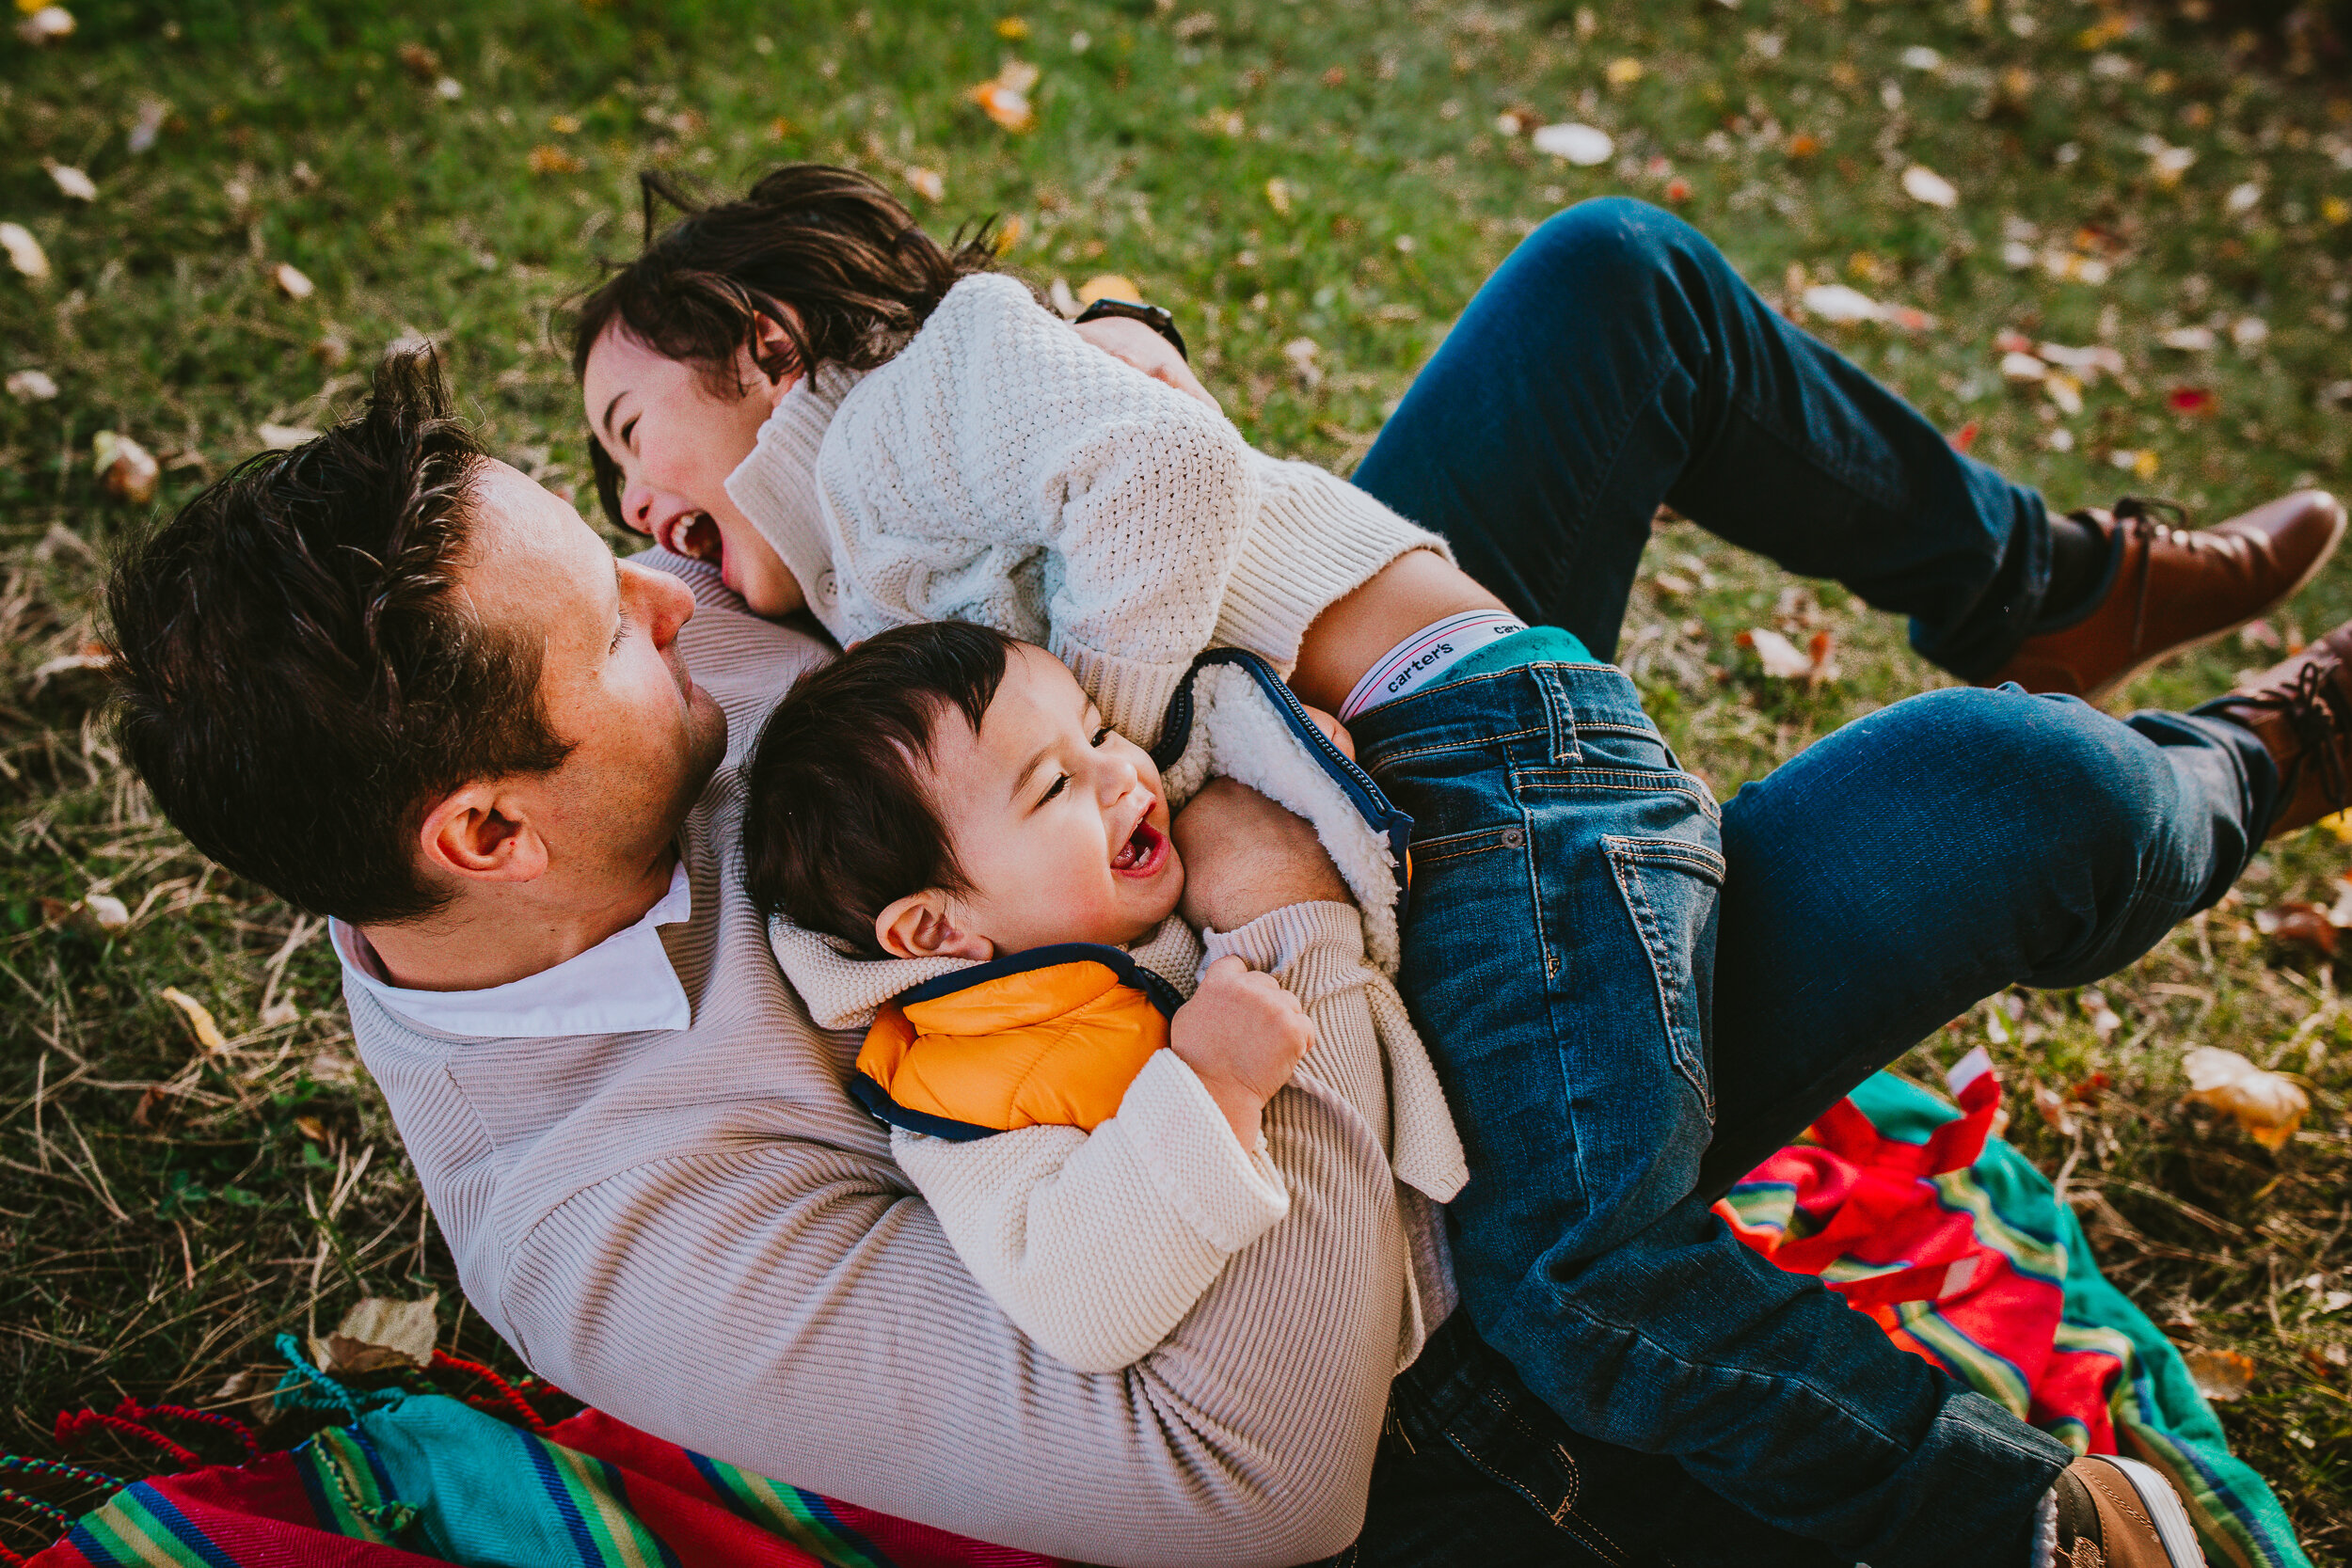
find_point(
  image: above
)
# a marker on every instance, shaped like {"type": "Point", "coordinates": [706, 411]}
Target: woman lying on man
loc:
{"type": "Point", "coordinates": [1630, 994]}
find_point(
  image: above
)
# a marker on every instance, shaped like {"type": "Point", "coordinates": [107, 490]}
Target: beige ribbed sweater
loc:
{"type": "Point", "coordinates": [1003, 470]}
{"type": "Point", "coordinates": [699, 1231]}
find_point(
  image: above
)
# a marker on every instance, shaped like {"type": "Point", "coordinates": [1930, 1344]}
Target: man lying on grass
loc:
{"type": "Point", "coordinates": [399, 684]}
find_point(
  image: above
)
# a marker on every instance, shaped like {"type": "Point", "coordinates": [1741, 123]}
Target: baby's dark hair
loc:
{"type": "Point", "coordinates": [839, 823]}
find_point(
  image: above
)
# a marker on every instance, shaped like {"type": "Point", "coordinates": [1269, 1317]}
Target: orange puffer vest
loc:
{"type": "Point", "coordinates": [1052, 1037]}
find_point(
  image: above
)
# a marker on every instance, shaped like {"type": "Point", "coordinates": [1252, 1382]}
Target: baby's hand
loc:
{"type": "Point", "coordinates": [1332, 728]}
{"type": "Point", "coordinates": [1241, 1034]}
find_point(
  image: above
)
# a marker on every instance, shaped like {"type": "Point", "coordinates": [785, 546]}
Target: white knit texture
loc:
{"type": "Point", "coordinates": [699, 1231]}
{"type": "Point", "coordinates": [1003, 470]}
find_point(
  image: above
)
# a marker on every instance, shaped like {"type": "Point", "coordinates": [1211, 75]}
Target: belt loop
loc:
{"type": "Point", "coordinates": [1559, 713]}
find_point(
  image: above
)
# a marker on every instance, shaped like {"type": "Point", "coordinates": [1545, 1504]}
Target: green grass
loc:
{"type": "Point", "coordinates": [164, 1210]}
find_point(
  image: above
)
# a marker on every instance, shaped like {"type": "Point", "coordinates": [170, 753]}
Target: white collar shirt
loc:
{"type": "Point", "coordinates": [622, 985]}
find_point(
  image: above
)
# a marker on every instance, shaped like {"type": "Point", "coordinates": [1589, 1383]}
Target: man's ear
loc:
{"type": "Point", "coordinates": [923, 926]}
{"type": "Point", "coordinates": [478, 835]}
{"type": "Point", "coordinates": [772, 356]}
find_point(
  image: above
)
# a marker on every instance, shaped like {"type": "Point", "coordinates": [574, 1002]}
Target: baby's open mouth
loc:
{"type": "Point", "coordinates": [1143, 853]}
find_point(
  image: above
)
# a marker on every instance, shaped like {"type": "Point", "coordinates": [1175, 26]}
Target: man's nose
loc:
{"type": "Point", "coordinates": [665, 602]}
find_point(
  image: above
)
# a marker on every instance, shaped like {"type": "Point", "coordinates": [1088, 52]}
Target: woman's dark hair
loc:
{"type": "Point", "coordinates": [860, 275]}
{"type": "Point", "coordinates": [296, 678]}
{"type": "Point", "coordinates": [839, 820]}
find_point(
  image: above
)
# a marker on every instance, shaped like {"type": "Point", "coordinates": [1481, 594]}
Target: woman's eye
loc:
{"type": "Point", "coordinates": [628, 432]}
{"type": "Point", "coordinates": [1100, 736]}
{"type": "Point", "coordinates": [1053, 789]}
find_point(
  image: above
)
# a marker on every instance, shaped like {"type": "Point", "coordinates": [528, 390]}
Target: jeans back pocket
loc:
{"type": "Point", "coordinates": [1672, 890]}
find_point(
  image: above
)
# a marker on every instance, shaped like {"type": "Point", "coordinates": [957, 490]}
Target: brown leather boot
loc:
{"type": "Point", "coordinates": [2173, 590]}
{"type": "Point", "coordinates": [2301, 711]}
{"type": "Point", "coordinates": [2116, 1512]}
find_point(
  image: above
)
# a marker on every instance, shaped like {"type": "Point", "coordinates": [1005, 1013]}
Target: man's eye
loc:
{"type": "Point", "coordinates": [1053, 789]}
{"type": "Point", "coordinates": [1100, 736]}
{"type": "Point", "coordinates": [619, 633]}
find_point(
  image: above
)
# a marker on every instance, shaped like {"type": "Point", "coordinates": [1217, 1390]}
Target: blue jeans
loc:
{"type": "Point", "coordinates": [1633, 1001]}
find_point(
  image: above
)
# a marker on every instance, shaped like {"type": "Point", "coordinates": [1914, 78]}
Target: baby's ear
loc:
{"type": "Point", "coordinates": [923, 926]}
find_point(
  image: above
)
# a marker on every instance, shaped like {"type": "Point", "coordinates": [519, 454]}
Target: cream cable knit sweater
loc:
{"type": "Point", "coordinates": [1005, 471]}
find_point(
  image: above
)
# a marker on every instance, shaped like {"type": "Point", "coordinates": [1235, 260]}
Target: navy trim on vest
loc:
{"type": "Point", "coordinates": [882, 1108]}
{"type": "Point", "coordinates": [1165, 997]}
{"type": "Point", "coordinates": [876, 1099]}
{"type": "Point", "coordinates": [1364, 795]}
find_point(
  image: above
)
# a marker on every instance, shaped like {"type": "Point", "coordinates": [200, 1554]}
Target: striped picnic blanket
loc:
{"type": "Point", "coordinates": [426, 1479]}
{"type": "Point", "coordinates": [1944, 1234]}
{"type": "Point", "coordinates": [1961, 1251]}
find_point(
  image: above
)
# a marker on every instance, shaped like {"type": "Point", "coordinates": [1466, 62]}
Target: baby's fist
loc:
{"type": "Point", "coordinates": [1241, 1034]}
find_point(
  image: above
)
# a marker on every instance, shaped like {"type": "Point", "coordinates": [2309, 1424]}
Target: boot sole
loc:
{"type": "Point", "coordinates": [2164, 1512]}
{"type": "Point", "coordinates": [2098, 696]}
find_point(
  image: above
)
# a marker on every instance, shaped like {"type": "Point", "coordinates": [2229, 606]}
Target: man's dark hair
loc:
{"type": "Point", "coordinates": [297, 679]}
{"type": "Point", "coordinates": [838, 822]}
{"type": "Point", "coordinates": [858, 272]}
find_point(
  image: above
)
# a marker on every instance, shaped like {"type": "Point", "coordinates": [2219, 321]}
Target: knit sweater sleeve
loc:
{"type": "Point", "coordinates": [1097, 1244]}
{"type": "Point", "coordinates": [1001, 416]}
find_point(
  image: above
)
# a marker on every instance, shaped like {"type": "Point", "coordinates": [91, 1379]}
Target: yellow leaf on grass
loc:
{"type": "Point", "coordinates": [2267, 1106]}
{"type": "Point", "coordinates": [379, 1335]}
{"type": "Point", "coordinates": [1625, 72]}
{"type": "Point", "coordinates": [1108, 285]}
{"type": "Point", "coordinates": [199, 1017]}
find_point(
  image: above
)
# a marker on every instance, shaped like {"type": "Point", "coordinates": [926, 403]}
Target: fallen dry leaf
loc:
{"type": "Point", "coordinates": [1780, 658]}
{"type": "Point", "coordinates": [379, 1335]}
{"type": "Point", "coordinates": [2299, 921]}
{"type": "Point", "coordinates": [420, 61]}
{"type": "Point", "coordinates": [290, 279]}
{"type": "Point", "coordinates": [1277, 196]}
{"type": "Point", "coordinates": [284, 438]}
{"type": "Point", "coordinates": [2267, 1106]}
{"type": "Point", "coordinates": [71, 182]}
{"type": "Point", "coordinates": [1005, 106]}
{"type": "Point", "coordinates": [1581, 145]}
{"type": "Point", "coordinates": [1922, 183]}
{"type": "Point", "coordinates": [2220, 1375]}
{"type": "Point", "coordinates": [45, 25]}
{"type": "Point", "coordinates": [331, 349]}
{"type": "Point", "coordinates": [107, 912]}
{"type": "Point", "coordinates": [127, 470]}
{"type": "Point", "coordinates": [29, 386]}
{"type": "Point", "coordinates": [1624, 71]}
{"type": "Point", "coordinates": [2191, 400]}
{"type": "Point", "coordinates": [208, 1035]}
{"type": "Point", "coordinates": [25, 252]}
{"type": "Point", "coordinates": [2188, 339]}
{"type": "Point", "coordinates": [149, 125]}
{"type": "Point", "coordinates": [928, 184]}
{"type": "Point", "coordinates": [547, 158]}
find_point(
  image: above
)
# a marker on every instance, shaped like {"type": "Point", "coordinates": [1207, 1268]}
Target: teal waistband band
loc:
{"type": "Point", "coordinates": [1535, 646]}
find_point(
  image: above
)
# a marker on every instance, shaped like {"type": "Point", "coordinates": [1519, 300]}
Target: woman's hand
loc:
{"type": "Point", "coordinates": [1126, 339]}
